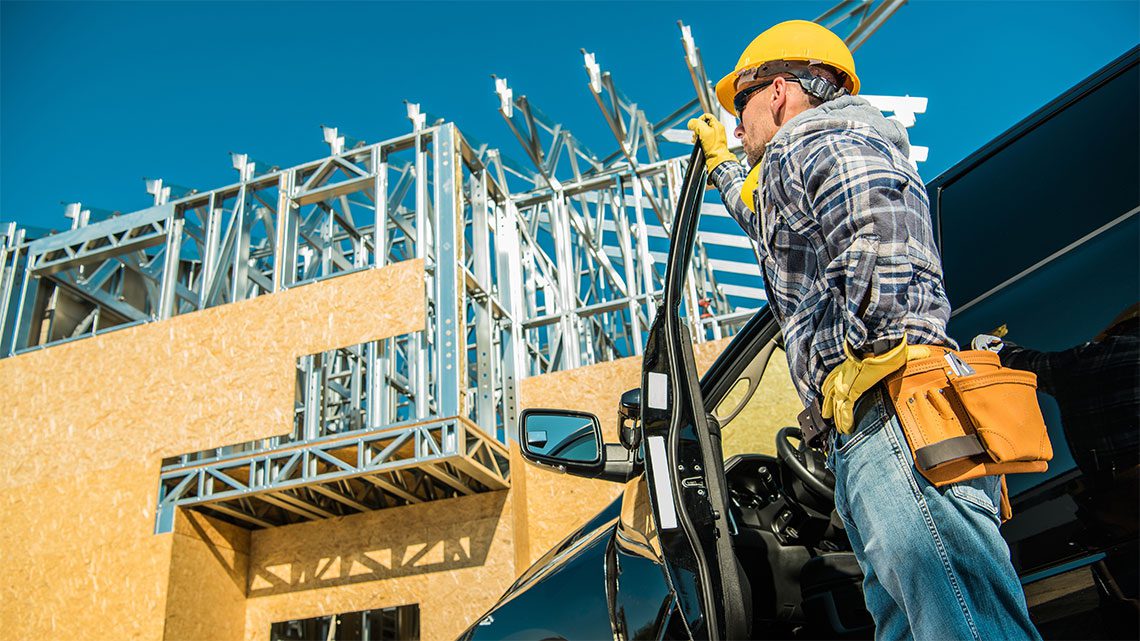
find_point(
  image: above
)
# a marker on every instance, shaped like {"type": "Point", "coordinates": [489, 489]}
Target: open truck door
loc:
{"type": "Point", "coordinates": [684, 465]}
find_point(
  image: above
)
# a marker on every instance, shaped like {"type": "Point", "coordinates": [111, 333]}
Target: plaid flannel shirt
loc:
{"type": "Point", "coordinates": [844, 240]}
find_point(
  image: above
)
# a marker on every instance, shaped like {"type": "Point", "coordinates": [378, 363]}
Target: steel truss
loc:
{"type": "Point", "coordinates": [529, 270]}
{"type": "Point", "coordinates": [339, 475]}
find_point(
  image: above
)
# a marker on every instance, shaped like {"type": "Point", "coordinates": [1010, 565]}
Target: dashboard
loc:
{"type": "Point", "coordinates": [766, 497]}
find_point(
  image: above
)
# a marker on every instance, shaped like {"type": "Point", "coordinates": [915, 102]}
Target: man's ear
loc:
{"type": "Point", "coordinates": [779, 97]}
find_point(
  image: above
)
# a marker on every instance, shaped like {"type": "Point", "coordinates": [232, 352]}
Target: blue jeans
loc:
{"type": "Point", "coordinates": [934, 564]}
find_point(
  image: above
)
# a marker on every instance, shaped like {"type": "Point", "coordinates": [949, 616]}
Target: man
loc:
{"type": "Point", "coordinates": [841, 222]}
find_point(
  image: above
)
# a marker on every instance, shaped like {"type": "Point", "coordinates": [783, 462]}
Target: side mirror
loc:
{"type": "Point", "coordinates": [571, 442]}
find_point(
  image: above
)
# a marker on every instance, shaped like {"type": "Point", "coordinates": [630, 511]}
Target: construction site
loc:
{"type": "Point", "coordinates": [289, 406]}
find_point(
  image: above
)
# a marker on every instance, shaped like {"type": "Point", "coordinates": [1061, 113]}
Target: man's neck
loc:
{"type": "Point", "coordinates": [789, 112]}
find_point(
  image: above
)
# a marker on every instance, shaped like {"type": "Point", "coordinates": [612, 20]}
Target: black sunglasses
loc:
{"type": "Point", "coordinates": [741, 99]}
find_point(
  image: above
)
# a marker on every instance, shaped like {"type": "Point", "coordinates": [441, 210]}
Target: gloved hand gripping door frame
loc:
{"type": "Point", "coordinates": [683, 455]}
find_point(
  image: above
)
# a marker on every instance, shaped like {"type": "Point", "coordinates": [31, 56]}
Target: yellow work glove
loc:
{"type": "Point", "coordinates": [748, 191]}
{"type": "Point", "coordinates": [714, 140]}
{"type": "Point", "coordinates": [847, 382]}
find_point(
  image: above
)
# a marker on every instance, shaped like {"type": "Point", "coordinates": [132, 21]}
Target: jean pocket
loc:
{"type": "Point", "coordinates": [858, 438]}
{"type": "Point", "coordinates": [982, 493]}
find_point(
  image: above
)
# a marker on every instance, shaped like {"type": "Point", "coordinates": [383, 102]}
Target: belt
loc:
{"type": "Point", "coordinates": [815, 428]}
{"type": "Point", "coordinates": [879, 347]}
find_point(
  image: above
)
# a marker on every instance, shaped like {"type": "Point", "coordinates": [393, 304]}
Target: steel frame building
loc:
{"type": "Point", "coordinates": [552, 279]}
{"type": "Point", "coordinates": [529, 271]}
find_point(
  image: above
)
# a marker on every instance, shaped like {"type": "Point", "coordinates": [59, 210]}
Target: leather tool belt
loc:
{"type": "Point", "coordinates": [971, 420]}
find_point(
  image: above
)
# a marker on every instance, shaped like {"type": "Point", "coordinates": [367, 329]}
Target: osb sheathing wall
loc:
{"type": "Point", "coordinates": [209, 572]}
{"type": "Point", "coordinates": [86, 425]}
{"type": "Point", "coordinates": [557, 504]}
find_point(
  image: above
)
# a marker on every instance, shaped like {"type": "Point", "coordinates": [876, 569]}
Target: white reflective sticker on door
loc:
{"type": "Point", "coordinates": [658, 391]}
{"type": "Point", "coordinates": [662, 483]}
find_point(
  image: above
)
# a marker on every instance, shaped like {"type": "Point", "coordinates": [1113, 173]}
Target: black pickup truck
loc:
{"type": "Point", "coordinates": [703, 548]}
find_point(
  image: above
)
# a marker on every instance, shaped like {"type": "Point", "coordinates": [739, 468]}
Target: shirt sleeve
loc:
{"type": "Point", "coordinates": [854, 191]}
{"type": "Point", "coordinates": [1030, 360]}
{"type": "Point", "coordinates": [1067, 369]}
{"type": "Point", "coordinates": [728, 177]}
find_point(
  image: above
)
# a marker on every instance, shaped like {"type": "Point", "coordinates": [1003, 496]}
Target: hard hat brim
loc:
{"type": "Point", "coordinates": [726, 91]}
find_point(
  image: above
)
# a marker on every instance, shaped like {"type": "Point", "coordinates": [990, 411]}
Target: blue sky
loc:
{"type": "Point", "coordinates": [95, 96]}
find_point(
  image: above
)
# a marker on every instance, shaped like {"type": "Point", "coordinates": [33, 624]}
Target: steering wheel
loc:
{"type": "Point", "coordinates": [807, 464]}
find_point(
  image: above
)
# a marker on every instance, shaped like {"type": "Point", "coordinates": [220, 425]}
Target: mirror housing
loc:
{"type": "Point", "coordinates": [571, 442]}
{"type": "Point", "coordinates": [629, 419]}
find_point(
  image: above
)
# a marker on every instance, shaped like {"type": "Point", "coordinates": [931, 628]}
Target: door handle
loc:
{"type": "Point", "coordinates": [693, 481]}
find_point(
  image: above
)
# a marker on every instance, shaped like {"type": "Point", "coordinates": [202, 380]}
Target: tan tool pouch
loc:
{"type": "Point", "coordinates": [962, 427]}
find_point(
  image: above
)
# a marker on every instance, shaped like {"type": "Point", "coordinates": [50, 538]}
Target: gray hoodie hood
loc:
{"type": "Point", "coordinates": [841, 113]}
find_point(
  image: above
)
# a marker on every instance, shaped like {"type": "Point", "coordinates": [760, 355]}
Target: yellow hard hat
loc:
{"type": "Point", "coordinates": [797, 41]}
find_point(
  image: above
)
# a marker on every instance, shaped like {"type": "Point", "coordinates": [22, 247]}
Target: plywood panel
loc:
{"type": "Point", "coordinates": [558, 503]}
{"type": "Point", "coordinates": [520, 511]}
{"type": "Point", "coordinates": [47, 516]}
{"type": "Point", "coordinates": [86, 425]}
{"type": "Point", "coordinates": [87, 592]}
{"type": "Point", "coordinates": [209, 570]}
{"type": "Point", "coordinates": [81, 560]}
{"type": "Point", "coordinates": [453, 557]}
